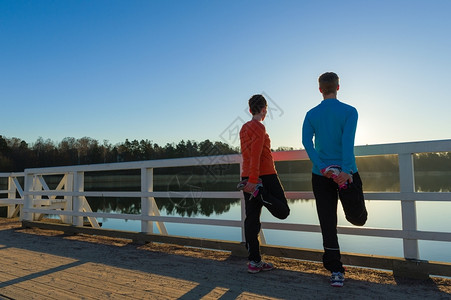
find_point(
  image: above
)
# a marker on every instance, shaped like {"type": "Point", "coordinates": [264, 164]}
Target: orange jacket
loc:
{"type": "Point", "coordinates": [256, 151]}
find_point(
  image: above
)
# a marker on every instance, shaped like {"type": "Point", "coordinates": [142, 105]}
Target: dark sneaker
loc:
{"type": "Point", "coordinates": [254, 267]}
{"type": "Point", "coordinates": [337, 279]}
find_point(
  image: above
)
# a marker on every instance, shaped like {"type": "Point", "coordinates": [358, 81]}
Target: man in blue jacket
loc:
{"type": "Point", "coordinates": [332, 125]}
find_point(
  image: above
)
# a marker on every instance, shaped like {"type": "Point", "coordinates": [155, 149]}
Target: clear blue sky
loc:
{"type": "Point", "coordinates": [168, 71]}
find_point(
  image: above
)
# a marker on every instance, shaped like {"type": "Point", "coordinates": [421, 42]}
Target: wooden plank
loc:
{"type": "Point", "coordinates": [154, 272]}
{"type": "Point", "coordinates": [160, 163]}
{"type": "Point", "coordinates": [6, 201]}
{"type": "Point", "coordinates": [60, 281]}
{"type": "Point", "coordinates": [408, 147]}
{"type": "Point", "coordinates": [77, 284]}
{"type": "Point", "coordinates": [34, 261]}
{"type": "Point", "coordinates": [234, 247]}
{"type": "Point", "coordinates": [216, 293]}
{"type": "Point", "coordinates": [369, 261]}
{"type": "Point", "coordinates": [18, 187]}
{"type": "Point", "coordinates": [32, 290]}
{"type": "Point", "coordinates": [130, 282]}
{"type": "Point", "coordinates": [57, 277]}
{"type": "Point", "coordinates": [19, 283]}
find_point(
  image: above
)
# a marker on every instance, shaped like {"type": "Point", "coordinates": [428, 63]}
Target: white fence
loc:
{"type": "Point", "coordinates": [68, 199]}
{"type": "Point", "coordinates": [12, 202]}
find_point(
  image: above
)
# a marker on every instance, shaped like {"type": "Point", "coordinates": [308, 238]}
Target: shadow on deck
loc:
{"type": "Point", "coordinates": [49, 263]}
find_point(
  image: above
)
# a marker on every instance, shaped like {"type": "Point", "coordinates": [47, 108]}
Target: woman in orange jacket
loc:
{"type": "Point", "coordinates": [260, 182]}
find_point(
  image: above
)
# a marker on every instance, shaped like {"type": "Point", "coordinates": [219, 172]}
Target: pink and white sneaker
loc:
{"type": "Point", "coordinates": [254, 194]}
{"type": "Point", "coordinates": [254, 267]}
{"type": "Point", "coordinates": [336, 170]}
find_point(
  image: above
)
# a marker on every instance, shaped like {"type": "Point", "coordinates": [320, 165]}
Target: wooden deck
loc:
{"type": "Point", "coordinates": [47, 264]}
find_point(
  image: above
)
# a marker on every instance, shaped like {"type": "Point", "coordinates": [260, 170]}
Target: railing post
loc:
{"type": "Point", "coordinates": [243, 209]}
{"type": "Point", "coordinates": [28, 198]}
{"type": "Point", "coordinates": [68, 187]}
{"type": "Point", "coordinates": [408, 208]}
{"type": "Point", "coordinates": [37, 186]}
{"type": "Point", "coordinates": [146, 202]}
{"type": "Point", "coordinates": [79, 183]}
{"type": "Point", "coordinates": [11, 195]}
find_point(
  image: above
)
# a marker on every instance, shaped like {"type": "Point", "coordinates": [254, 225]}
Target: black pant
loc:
{"type": "Point", "coordinates": [272, 196]}
{"type": "Point", "coordinates": [326, 193]}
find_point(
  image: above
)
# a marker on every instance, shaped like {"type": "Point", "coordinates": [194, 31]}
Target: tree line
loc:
{"type": "Point", "coordinates": [17, 155]}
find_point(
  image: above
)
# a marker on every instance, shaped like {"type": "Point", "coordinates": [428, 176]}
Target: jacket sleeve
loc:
{"type": "Point", "coordinates": [257, 135]}
{"type": "Point", "coordinates": [348, 138]}
{"type": "Point", "coordinates": [308, 133]}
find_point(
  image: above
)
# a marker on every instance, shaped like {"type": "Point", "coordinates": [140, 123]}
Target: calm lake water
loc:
{"type": "Point", "coordinates": [431, 216]}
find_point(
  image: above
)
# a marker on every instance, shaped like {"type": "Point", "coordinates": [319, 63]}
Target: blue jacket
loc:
{"type": "Point", "coordinates": [332, 124]}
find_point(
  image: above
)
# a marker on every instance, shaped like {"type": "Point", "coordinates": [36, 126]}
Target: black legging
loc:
{"type": "Point", "coordinates": [272, 196]}
{"type": "Point", "coordinates": [326, 194]}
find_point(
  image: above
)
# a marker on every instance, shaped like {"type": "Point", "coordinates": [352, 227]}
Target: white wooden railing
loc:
{"type": "Point", "coordinates": [68, 199]}
{"type": "Point", "coordinates": [12, 202]}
